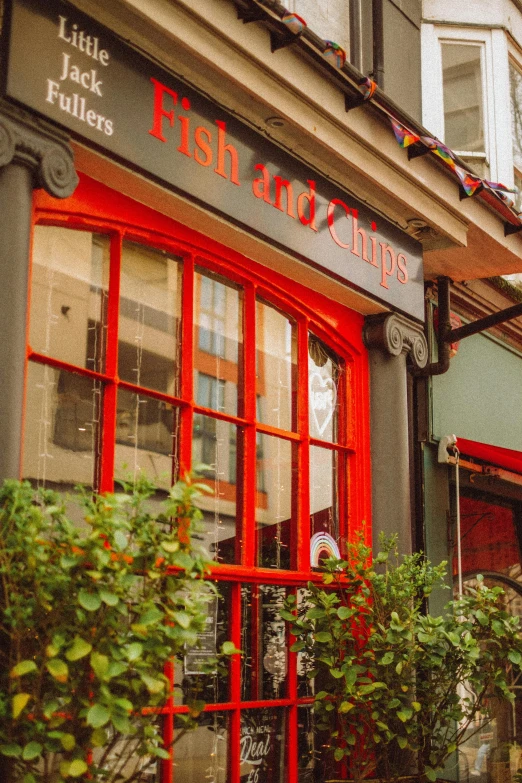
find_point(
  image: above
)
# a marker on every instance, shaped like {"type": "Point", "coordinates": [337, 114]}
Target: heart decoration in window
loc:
{"type": "Point", "coordinates": [323, 397]}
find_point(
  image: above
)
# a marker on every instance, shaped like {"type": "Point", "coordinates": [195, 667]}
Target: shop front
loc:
{"type": "Point", "coordinates": [141, 342]}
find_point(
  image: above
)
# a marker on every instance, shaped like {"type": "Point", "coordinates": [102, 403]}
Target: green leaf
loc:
{"type": "Point", "coordinates": [29, 778]}
{"type": "Point", "coordinates": [79, 649]}
{"type": "Point", "coordinates": [336, 674]}
{"type": "Point", "coordinates": [153, 685]}
{"type": "Point", "coordinates": [514, 656]}
{"type": "Point", "coordinates": [387, 658]}
{"type": "Point", "coordinates": [31, 751]}
{"type": "Point", "coordinates": [297, 646]}
{"type": "Point", "coordinates": [323, 636]}
{"type": "Point", "coordinates": [108, 598]}
{"type": "Point", "coordinates": [23, 667]}
{"type": "Point", "coordinates": [134, 651]}
{"type": "Point", "coordinates": [343, 613]}
{"type": "Point", "coordinates": [402, 742]}
{"type": "Point", "coordinates": [76, 768]}
{"type": "Point", "coordinates": [182, 618]}
{"type": "Point", "coordinates": [316, 613]}
{"type": "Point", "coordinates": [120, 539]}
{"type": "Point", "coordinates": [90, 601]}
{"type": "Point", "coordinates": [430, 774]}
{"type": "Point", "coordinates": [50, 708]}
{"type": "Point", "coordinates": [170, 546]}
{"type": "Point", "coordinates": [346, 706]}
{"type": "Point", "coordinates": [150, 617]}
{"type": "Point", "coordinates": [124, 704]}
{"type": "Point", "coordinates": [100, 664]}
{"type": "Point", "coordinates": [122, 724]}
{"type": "Point", "coordinates": [97, 716]}
{"type": "Point", "coordinates": [229, 648]}
{"type": "Point", "coordinates": [98, 738]}
{"type": "Point", "coordinates": [12, 750]}
{"type": "Point", "coordinates": [68, 741]}
{"type": "Point", "coordinates": [338, 754]}
{"type": "Point", "coordinates": [19, 703]}
{"type": "Point", "coordinates": [58, 669]}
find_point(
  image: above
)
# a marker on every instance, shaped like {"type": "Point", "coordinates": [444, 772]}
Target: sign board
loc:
{"type": "Point", "coordinates": [67, 67]}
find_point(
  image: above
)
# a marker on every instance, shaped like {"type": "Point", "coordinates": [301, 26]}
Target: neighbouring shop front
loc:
{"type": "Point", "coordinates": [478, 502]}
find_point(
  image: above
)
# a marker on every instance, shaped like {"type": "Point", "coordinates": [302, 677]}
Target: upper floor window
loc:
{"type": "Point", "coordinates": [465, 89]}
{"type": "Point", "coordinates": [462, 85]}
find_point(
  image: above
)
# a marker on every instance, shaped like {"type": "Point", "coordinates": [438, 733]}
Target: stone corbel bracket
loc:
{"type": "Point", "coordinates": [394, 334]}
{"type": "Point", "coordinates": [43, 149]}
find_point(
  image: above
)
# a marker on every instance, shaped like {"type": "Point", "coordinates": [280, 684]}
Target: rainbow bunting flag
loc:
{"type": "Point", "coordinates": [470, 183]}
{"type": "Point", "coordinates": [404, 136]}
{"type": "Point", "coordinates": [296, 24]}
{"type": "Point", "coordinates": [368, 87]}
{"type": "Point", "coordinates": [334, 54]}
{"type": "Point", "coordinates": [500, 186]}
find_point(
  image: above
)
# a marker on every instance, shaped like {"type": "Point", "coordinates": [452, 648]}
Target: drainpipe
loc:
{"type": "Point", "coordinates": [378, 42]}
{"type": "Point", "coordinates": [444, 328]}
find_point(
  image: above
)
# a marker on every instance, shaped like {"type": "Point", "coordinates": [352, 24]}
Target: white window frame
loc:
{"type": "Point", "coordinates": [495, 90]}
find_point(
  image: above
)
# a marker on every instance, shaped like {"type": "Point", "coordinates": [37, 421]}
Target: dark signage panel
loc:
{"type": "Point", "coordinates": [69, 68]}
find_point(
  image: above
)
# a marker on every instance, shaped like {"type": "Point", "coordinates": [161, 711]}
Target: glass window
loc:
{"type": "Point", "coordinates": [276, 469]}
{"type": "Point", "coordinates": [276, 365]}
{"type": "Point", "coordinates": [62, 437]}
{"type": "Point", "coordinates": [69, 296]}
{"type": "Point", "coordinates": [202, 754]}
{"type": "Point", "coordinates": [264, 664]}
{"type": "Point", "coordinates": [463, 103]}
{"type": "Point", "coordinates": [149, 326]}
{"type": "Point", "coordinates": [515, 91]}
{"type": "Point", "coordinates": [262, 746]}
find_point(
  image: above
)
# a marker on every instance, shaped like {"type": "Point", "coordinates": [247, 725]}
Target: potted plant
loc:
{"type": "Point", "coordinates": [91, 612]}
{"type": "Point", "coordinates": [396, 689]}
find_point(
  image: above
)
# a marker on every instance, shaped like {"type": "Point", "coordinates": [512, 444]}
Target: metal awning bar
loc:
{"type": "Point", "coordinates": [481, 324]}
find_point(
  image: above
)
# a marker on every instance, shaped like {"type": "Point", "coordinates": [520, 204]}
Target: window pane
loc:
{"type": "Point", "coordinates": [218, 343]}
{"type": "Point", "coordinates": [276, 367]}
{"type": "Point", "coordinates": [263, 640]}
{"type": "Point", "coordinates": [324, 369]}
{"type": "Point", "coordinates": [61, 438]}
{"type": "Point", "coordinates": [516, 114]}
{"type": "Point", "coordinates": [214, 444]}
{"type": "Point", "coordinates": [191, 683]}
{"type": "Point", "coordinates": [276, 466]}
{"type": "Point", "coordinates": [69, 295]}
{"type": "Point", "coordinates": [149, 327]}
{"type": "Point", "coordinates": [323, 492]}
{"type": "Point", "coordinates": [306, 686]}
{"type": "Point", "coordinates": [202, 754]}
{"type": "Point", "coordinates": [463, 105]}
{"type": "Point", "coordinates": [144, 438]}
{"type": "Point", "coordinates": [315, 757]}
{"type": "Point", "coordinates": [262, 752]}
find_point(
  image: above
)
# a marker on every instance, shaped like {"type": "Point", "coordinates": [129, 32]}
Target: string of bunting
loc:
{"type": "Point", "coordinates": [417, 145]}
{"type": "Point", "coordinates": [470, 184]}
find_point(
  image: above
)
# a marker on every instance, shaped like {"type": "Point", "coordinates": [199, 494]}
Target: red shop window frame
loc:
{"type": "Point", "coordinates": [95, 207]}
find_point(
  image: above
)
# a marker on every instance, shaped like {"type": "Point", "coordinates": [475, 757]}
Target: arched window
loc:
{"type": "Point", "coordinates": [153, 348]}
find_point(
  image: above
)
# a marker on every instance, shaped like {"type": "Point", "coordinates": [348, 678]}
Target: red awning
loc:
{"type": "Point", "coordinates": [494, 455]}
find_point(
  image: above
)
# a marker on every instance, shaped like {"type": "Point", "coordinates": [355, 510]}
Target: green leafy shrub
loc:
{"type": "Point", "coordinates": [397, 689]}
{"type": "Point", "coordinates": [90, 614]}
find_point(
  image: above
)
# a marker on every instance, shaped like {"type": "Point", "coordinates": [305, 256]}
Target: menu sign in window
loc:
{"type": "Point", "coordinates": [69, 68]}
